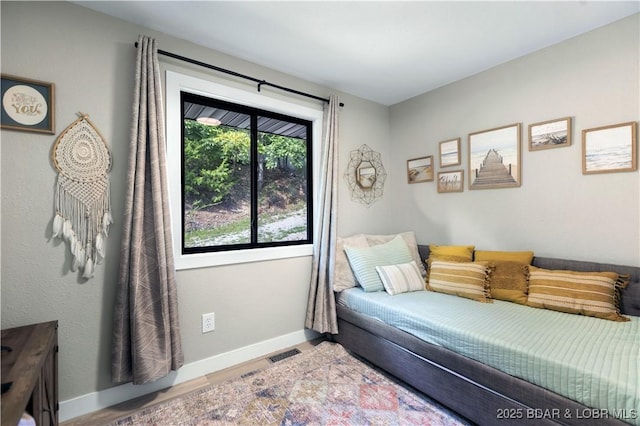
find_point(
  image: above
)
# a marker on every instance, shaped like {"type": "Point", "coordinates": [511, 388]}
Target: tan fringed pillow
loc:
{"type": "Point", "coordinates": [451, 253]}
{"type": "Point", "coordinates": [509, 280]}
{"type": "Point", "coordinates": [463, 279]}
{"type": "Point", "coordinates": [593, 294]}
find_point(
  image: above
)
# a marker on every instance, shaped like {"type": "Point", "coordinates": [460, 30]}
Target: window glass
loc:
{"type": "Point", "coordinates": [282, 182]}
{"type": "Point", "coordinates": [245, 177]}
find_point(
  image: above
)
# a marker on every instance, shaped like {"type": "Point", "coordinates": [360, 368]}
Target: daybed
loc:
{"type": "Point", "coordinates": [484, 394]}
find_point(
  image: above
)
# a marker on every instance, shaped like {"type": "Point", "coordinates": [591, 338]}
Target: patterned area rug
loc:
{"type": "Point", "coordinates": [322, 386]}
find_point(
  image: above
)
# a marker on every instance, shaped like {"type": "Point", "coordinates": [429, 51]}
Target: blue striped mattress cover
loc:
{"type": "Point", "coordinates": [590, 360]}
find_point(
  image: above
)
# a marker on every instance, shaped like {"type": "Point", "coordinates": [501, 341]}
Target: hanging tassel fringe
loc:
{"type": "Point", "coordinates": [80, 256]}
{"type": "Point", "coordinates": [88, 269]}
{"type": "Point", "coordinates": [99, 248]}
{"type": "Point", "coordinates": [106, 221]}
{"type": "Point", "coordinates": [67, 230]}
{"type": "Point", "coordinates": [83, 226]}
{"type": "Point", "coordinates": [57, 225]}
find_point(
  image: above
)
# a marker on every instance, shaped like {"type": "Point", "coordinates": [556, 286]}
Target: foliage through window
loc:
{"type": "Point", "coordinates": [246, 177]}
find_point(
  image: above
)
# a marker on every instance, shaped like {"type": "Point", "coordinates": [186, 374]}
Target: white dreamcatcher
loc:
{"type": "Point", "coordinates": [81, 200]}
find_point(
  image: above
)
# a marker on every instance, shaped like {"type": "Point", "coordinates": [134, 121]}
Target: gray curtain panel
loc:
{"type": "Point", "coordinates": [321, 307]}
{"type": "Point", "coordinates": [146, 332]}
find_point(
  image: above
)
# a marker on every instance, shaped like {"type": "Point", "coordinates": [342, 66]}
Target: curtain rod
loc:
{"type": "Point", "coordinates": [237, 74]}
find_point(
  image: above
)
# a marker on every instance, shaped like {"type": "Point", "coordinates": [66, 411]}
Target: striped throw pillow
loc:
{"type": "Point", "coordinates": [401, 278]}
{"type": "Point", "coordinates": [593, 294]}
{"type": "Point", "coordinates": [363, 261]}
{"type": "Point", "coordinates": [463, 279]}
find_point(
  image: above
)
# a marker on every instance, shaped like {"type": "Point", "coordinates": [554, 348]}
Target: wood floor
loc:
{"type": "Point", "coordinates": [128, 407]}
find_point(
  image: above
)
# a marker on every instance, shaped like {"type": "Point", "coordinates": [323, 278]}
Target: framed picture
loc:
{"type": "Point", "coordinates": [609, 149]}
{"type": "Point", "coordinates": [420, 169]}
{"type": "Point", "coordinates": [494, 158]}
{"type": "Point", "coordinates": [550, 134]}
{"type": "Point", "coordinates": [27, 105]}
{"type": "Point", "coordinates": [451, 181]}
{"type": "Point", "coordinates": [450, 153]}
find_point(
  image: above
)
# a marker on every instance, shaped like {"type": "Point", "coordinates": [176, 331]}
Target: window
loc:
{"type": "Point", "coordinates": [246, 175]}
{"type": "Point", "coordinates": [240, 174]}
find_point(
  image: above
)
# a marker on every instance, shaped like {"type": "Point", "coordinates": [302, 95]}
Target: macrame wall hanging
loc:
{"type": "Point", "coordinates": [81, 200]}
{"type": "Point", "coordinates": [365, 175]}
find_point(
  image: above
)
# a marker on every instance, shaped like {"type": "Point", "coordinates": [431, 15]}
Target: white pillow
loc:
{"type": "Point", "coordinates": [342, 276]}
{"type": "Point", "coordinates": [401, 278]}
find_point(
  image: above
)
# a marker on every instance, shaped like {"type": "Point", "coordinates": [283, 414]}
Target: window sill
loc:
{"type": "Point", "coordinates": [204, 260]}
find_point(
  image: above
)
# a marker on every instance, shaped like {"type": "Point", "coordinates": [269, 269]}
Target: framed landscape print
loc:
{"type": "Point", "coordinates": [450, 153]}
{"type": "Point", "coordinates": [609, 149]}
{"type": "Point", "coordinates": [550, 134]}
{"type": "Point", "coordinates": [451, 181]}
{"type": "Point", "coordinates": [420, 169]}
{"type": "Point", "coordinates": [494, 158]}
{"type": "Point", "coordinates": [27, 105]}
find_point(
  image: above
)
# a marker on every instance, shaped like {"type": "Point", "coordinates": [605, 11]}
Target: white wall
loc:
{"type": "Point", "coordinates": [557, 211]}
{"type": "Point", "coordinates": [90, 58]}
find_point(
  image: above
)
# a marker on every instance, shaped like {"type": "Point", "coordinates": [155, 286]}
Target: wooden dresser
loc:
{"type": "Point", "coordinates": [31, 365]}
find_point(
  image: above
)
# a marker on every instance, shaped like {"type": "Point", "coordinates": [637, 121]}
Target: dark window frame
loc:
{"type": "Point", "coordinates": [254, 113]}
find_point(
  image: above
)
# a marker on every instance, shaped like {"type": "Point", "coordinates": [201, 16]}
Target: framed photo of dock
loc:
{"type": "Point", "coordinates": [550, 134]}
{"type": "Point", "coordinates": [450, 153]}
{"type": "Point", "coordinates": [420, 169]}
{"type": "Point", "coordinates": [451, 181]}
{"type": "Point", "coordinates": [609, 149]}
{"type": "Point", "coordinates": [494, 157]}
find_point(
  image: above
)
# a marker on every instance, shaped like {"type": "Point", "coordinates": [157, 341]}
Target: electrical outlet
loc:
{"type": "Point", "coordinates": [208, 322]}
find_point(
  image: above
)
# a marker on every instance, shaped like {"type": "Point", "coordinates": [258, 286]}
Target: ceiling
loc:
{"type": "Point", "coordinates": [383, 51]}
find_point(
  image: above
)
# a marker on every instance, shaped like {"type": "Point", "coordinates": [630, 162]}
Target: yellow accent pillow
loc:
{"type": "Point", "coordinates": [509, 280]}
{"type": "Point", "coordinates": [463, 279]}
{"type": "Point", "coordinates": [453, 253]}
{"type": "Point", "coordinates": [593, 294]}
{"type": "Point", "coordinates": [511, 256]}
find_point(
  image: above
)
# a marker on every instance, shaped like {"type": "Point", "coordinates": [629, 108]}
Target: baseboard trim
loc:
{"type": "Point", "coordinates": [95, 401]}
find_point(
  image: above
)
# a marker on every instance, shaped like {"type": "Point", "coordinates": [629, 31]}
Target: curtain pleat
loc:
{"type": "Point", "coordinates": [146, 332]}
{"type": "Point", "coordinates": [321, 308]}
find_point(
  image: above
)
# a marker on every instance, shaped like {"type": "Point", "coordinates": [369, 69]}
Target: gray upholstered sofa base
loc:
{"type": "Point", "coordinates": [480, 393]}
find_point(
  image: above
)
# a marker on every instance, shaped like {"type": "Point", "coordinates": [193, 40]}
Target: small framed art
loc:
{"type": "Point", "coordinates": [27, 105]}
{"type": "Point", "coordinates": [609, 149]}
{"type": "Point", "coordinates": [450, 153]}
{"type": "Point", "coordinates": [550, 134]}
{"type": "Point", "coordinates": [420, 169]}
{"type": "Point", "coordinates": [451, 181]}
{"type": "Point", "coordinates": [494, 158]}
